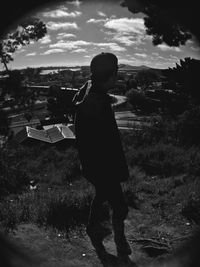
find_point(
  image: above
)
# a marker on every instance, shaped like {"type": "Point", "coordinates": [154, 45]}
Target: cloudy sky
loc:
{"type": "Point", "coordinates": [76, 31]}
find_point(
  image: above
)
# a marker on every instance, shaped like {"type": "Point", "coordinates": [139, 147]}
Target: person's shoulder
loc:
{"type": "Point", "coordinates": [94, 105]}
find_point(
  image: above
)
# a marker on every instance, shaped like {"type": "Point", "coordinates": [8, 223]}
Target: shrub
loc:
{"type": "Point", "coordinates": [189, 127]}
{"type": "Point", "coordinates": [191, 203]}
{"type": "Point", "coordinates": [13, 177]}
{"type": "Point", "coordinates": [162, 158]}
{"type": "Point", "coordinates": [19, 164]}
{"type": "Point", "coordinates": [62, 209]}
{"type": "Point", "coordinates": [8, 216]}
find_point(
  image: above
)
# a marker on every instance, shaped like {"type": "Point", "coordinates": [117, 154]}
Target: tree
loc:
{"type": "Point", "coordinates": [185, 77]}
{"type": "Point", "coordinates": [4, 126]}
{"type": "Point", "coordinates": [145, 78]}
{"type": "Point", "coordinates": [172, 22]}
{"type": "Point", "coordinates": [139, 101]}
{"type": "Point", "coordinates": [13, 84]}
{"type": "Point", "coordinates": [60, 103]}
{"type": "Point", "coordinates": [31, 29]}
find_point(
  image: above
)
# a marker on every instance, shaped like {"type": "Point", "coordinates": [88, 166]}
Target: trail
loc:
{"type": "Point", "coordinates": [52, 249]}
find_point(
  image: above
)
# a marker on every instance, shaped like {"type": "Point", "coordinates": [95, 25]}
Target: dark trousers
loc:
{"type": "Point", "coordinates": [111, 193]}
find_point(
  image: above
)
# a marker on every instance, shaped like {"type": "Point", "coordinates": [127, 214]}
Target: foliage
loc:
{"type": "Point", "coordinates": [138, 100]}
{"type": "Point", "coordinates": [13, 177]}
{"type": "Point", "coordinates": [144, 78]}
{"type": "Point", "coordinates": [49, 164]}
{"type": "Point", "coordinates": [31, 29]}
{"type": "Point", "coordinates": [4, 126]}
{"type": "Point", "coordinates": [60, 103]}
{"type": "Point", "coordinates": [185, 77]}
{"type": "Point", "coordinates": [62, 209]}
{"type": "Point", "coordinates": [131, 83]}
{"type": "Point", "coordinates": [191, 207]}
{"type": "Point", "coordinates": [65, 205]}
{"type": "Point", "coordinates": [13, 84]}
{"type": "Point", "coordinates": [170, 22]}
{"type": "Point", "coordinates": [166, 147]}
{"type": "Point", "coordinates": [189, 126]}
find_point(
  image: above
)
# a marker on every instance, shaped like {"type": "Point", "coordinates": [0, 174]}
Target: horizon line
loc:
{"type": "Point", "coordinates": [77, 66]}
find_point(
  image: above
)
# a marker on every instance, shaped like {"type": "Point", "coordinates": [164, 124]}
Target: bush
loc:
{"type": "Point", "coordinates": [160, 159]}
{"type": "Point", "coordinates": [63, 208]}
{"type": "Point", "coordinates": [191, 203]}
{"type": "Point", "coordinates": [13, 177]}
{"type": "Point", "coordinates": [189, 127]}
{"type": "Point", "coordinates": [8, 216]}
{"type": "Point", "coordinates": [20, 164]}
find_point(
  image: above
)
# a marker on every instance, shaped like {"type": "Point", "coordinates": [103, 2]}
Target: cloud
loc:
{"type": "Point", "coordinates": [124, 39]}
{"type": "Point", "coordinates": [70, 45]}
{"type": "Point", "coordinates": [52, 51]}
{"type": "Point", "coordinates": [31, 54]}
{"type": "Point", "coordinates": [127, 31]}
{"type": "Point", "coordinates": [73, 45]}
{"type": "Point", "coordinates": [65, 35]}
{"type": "Point", "coordinates": [45, 40]}
{"type": "Point", "coordinates": [111, 46]}
{"type": "Point", "coordinates": [143, 55]}
{"type": "Point", "coordinates": [20, 50]}
{"type": "Point", "coordinates": [92, 20]}
{"type": "Point", "coordinates": [102, 14]}
{"type": "Point", "coordinates": [126, 25]}
{"type": "Point", "coordinates": [127, 40]}
{"type": "Point", "coordinates": [76, 3]}
{"type": "Point", "coordinates": [79, 50]}
{"type": "Point", "coordinates": [173, 58]}
{"type": "Point", "coordinates": [165, 47]}
{"type": "Point", "coordinates": [59, 13]}
{"type": "Point", "coordinates": [132, 61]}
{"type": "Point", "coordinates": [196, 49]}
{"type": "Point", "coordinates": [54, 26]}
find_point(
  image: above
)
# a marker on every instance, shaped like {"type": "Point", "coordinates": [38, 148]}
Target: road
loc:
{"type": "Point", "coordinates": [127, 120]}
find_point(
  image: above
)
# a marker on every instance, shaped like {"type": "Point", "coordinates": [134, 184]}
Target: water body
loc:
{"type": "Point", "coordinates": [50, 71]}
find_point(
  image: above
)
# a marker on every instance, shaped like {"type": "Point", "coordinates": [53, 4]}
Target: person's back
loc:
{"type": "Point", "coordinates": [98, 139]}
{"type": "Point", "coordinates": [100, 150]}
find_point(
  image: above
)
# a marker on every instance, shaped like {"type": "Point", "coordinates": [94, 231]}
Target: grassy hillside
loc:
{"type": "Point", "coordinates": [160, 170]}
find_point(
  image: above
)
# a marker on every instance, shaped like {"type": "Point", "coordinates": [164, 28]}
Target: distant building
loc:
{"type": "Point", "coordinates": [51, 134]}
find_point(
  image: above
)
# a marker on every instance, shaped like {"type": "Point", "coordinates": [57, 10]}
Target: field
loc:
{"type": "Point", "coordinates": [162, 193]}
{"type": "Point", "coordinates": [47, 219]}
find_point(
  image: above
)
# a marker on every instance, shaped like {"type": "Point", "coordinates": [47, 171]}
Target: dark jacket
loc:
{"type": "Point", "coordinates": [97, 136]}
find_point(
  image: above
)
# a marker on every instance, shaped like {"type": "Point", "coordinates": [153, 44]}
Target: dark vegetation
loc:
{"type": "Point", "coordinates": [63, 196]}
{"type": "Point", "coordinates": [164, 163]}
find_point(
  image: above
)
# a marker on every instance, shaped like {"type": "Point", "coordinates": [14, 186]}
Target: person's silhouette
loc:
{"type": "Point", "coordinates": [101, 153]}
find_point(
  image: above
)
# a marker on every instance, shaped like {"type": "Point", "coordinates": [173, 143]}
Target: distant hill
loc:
{"type": "Point", "coordinates": [130, 67]}
{"type": "Point", "coordinates": [136, 68]}
{"type": "Point", "coordinates": [122, 67]}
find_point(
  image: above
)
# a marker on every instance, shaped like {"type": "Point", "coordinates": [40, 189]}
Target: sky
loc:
{"type": "Point", "coordinates": [77, 31]}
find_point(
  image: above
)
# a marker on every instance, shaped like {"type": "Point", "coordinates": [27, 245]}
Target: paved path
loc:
{"type": "Point", "coordinates": [129, 120]}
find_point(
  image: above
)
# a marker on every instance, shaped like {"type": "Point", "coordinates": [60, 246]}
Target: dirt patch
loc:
{"type": "Point", "coordinates": [52, 248]}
